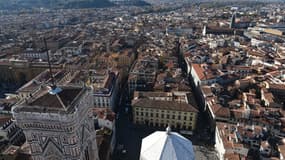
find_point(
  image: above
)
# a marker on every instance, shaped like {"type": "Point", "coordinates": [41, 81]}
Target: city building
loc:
{"type": "Point", "coordinates": [125, 58]}
{"type": "Point", "coordinates": [58, 123]}
{"type": "Point", "coordinates": [177, 96]}
{"type": "Point", "coordinates": [202, 74]}
{"type": "Point", "coordinates": [142, 75]}
{"type": "Point", "coordinates": [219, 31]}
{"type": "Point", "coordinates": [278, 32]}
{"type": "Point", "coordinates": [179, 115]}
{"type": "Point", "coordinates": [71, 49]}
{"type": "Point", "coordinates": [105, 119]}
{"type": "Point", "coordinates": [229, 140]}
{"type": "Point", "coordinates": [241, 24]}
{"type": "Point", "coordinates": [166, 145]}
{"type": "Point", "coordinates": [105, 88]}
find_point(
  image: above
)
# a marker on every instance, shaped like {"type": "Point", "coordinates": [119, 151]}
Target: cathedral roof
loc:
{"type": "Point", "coordinates": [166, 146]}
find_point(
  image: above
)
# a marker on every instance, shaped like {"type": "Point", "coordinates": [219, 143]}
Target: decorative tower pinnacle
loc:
{"type": "Point", "coordinates": [168, 129]}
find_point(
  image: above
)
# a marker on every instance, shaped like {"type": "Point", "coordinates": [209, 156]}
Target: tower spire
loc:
{"type": "Point", "coordinates": [54, 89]}
{"type": "Point", "coordinates": [233, 20]}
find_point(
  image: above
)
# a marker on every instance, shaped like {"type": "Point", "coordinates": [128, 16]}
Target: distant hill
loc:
{"type": "Point", "coordinates": [13, 4]}
{"type": "Point", "coordinates": [28, 4]}
{"type": "Point", "coordinates": [89, 4]}
{"type": "Point", "coordinates": [159, 2]}
{"type": "Point", "coordinates": [131, 2]}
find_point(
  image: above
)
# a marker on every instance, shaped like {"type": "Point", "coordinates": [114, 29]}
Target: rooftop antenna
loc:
{"type": "Point", "coordinates": [54, 89]}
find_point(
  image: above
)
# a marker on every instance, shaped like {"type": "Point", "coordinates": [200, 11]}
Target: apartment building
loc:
{"type": "Point", "coordinates": [161, 113]}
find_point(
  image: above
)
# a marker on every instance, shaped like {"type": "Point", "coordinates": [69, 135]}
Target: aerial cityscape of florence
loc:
{"type": "Point", "coordinates": [142, 79]}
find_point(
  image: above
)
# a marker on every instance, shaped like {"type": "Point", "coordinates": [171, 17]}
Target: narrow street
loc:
{"type": "Point", "coordinates": [128, 138]}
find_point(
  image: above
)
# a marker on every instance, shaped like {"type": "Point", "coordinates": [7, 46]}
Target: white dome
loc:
{"type": "Point", "coordinates": [166, 146]}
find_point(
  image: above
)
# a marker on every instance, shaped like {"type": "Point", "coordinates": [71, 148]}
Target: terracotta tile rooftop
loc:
{"type": "Point", "coordinates": [223, 112]}
{"type": "Point", "coordinates": [200, 71]}
{"type": "Point", "coordinates": [166, 105]}
{"type": "Point", "coordinates": [231, 156]}
{"type": "Point", "coordinates": [104, 113]}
